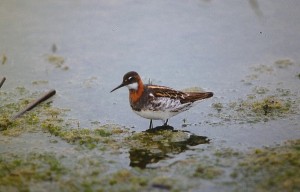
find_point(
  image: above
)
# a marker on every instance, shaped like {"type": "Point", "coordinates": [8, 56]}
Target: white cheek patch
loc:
{"type": "Point", "coordinates": [133, 86]}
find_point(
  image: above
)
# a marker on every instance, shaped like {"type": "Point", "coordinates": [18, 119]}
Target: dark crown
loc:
{"type": "Point", "coordinates": [130, 77]}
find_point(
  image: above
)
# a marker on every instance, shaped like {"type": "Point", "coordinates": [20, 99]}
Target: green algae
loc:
{"type": "Point", "coordinates": [226, 153]}
{"type": "Point", "coordinates": [50, 119]}
{"type": "Point", "coordinates": [29, 121]}
{"type": "Point", "coordinates": [254, 110]}
{"type": "Point", "coordinates": [89, 174]}
{"type": "Point", "coordinates": [19, 172]}
{"type": "Point", "coordinates": [145, 148]}
{"type": "Point", "coordinates": [10, 106]}
{"type": "Point", "coordinates": [260, 90]}
{"type": "Point", "coordinates": [271, 105]}
{"type": "Point", "coordinates": [218, 106]}
{"type": "Point", "coordinates": [40, 82]}
{"type": "Point", "coordinates": [5, 122]}
{"type": "Point", "coordinates": [83, 136]}
{"type": "Point", "coordinates": [259, 106]}
{"type": "Point", "coordinates": [263, 102]}
{"type": "Point", "coordinates": [207, 172]}
{"type": "Point", "coordinates": [57, 61]}
{"type": "Point", "coordinates": [124, 176]}
{"type": "Point", "coordinates": [283, 63]}
{"type": "Point", "coordinates": [263, 69]}
{"type": "Point", "coordinates": [272, 168]}
{"type": "Point", "coordinates": [163, 183]}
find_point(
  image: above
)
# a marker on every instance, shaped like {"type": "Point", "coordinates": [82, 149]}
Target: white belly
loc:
{"type": "Point", "coordinates": [156, 115]}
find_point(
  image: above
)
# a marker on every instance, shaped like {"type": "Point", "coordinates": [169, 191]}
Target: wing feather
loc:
{"type": "Point", "coordinates": [183, 97]}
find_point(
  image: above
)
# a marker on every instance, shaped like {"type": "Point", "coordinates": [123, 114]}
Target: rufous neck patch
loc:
{"type": "Point", "coordinates": [135, 95]}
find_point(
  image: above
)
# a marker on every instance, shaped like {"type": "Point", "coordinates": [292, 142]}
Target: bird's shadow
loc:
{"type": "Point", "coordinates": [159, 143]}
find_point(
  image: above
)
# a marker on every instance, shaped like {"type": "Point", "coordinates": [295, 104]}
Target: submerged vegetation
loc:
{"type": "Point", "coordinates": [50, 119]}
{"type": "Point", "coordinates": [17, 173]}
{"type": "Point", "coordinates": [272, 169]}
{"type": "Point", "coordinates": [262, 103]}
{"type": "Point", "coordinates": [109, 157]}
{"type": "Point", "coordinates": [252, 110]}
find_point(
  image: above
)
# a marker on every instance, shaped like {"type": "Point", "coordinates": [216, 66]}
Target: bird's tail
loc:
{"type": "Point", "coordinates": [196, 96]}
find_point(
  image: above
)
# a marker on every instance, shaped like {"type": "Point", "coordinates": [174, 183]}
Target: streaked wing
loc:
{"type": "Point", "coordinates": [161, 91]}
{"type": "Point", "coordinates": [183, 97]}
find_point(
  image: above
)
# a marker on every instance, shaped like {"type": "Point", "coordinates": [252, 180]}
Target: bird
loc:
{"type": "Point", "coordinates": [157, 102]}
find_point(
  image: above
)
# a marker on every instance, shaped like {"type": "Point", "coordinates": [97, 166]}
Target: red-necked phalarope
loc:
{"type": "Point", "coordinates": [156, 102]}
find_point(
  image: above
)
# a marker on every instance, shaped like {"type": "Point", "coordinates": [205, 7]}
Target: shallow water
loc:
{"type": "Point", "coordinates": [208, 44]}
{"type": "Point", "coordinates": [83, 48]}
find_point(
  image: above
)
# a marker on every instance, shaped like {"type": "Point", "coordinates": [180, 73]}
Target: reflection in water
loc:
{"type": "Point", "coordinates": [151, 147]}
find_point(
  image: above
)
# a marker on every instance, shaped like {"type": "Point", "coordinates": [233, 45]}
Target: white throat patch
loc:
{"type": "Point", "coordinates": [132, 86]}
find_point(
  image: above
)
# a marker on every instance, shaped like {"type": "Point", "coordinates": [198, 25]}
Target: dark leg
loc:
{"type": "Point", "coordinates": [166, 123]}
{"type": "Point", "coordinates": [151, 125]}
{"type": "Point", "coordinates": [165, 126]}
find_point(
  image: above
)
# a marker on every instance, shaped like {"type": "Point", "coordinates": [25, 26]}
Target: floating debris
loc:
{"type": "Point", "coordinates": [4, 59]}
{"type": "Point", "coordinates": [40, 82]}
{"type": "Point", "coordinates": [2, 81]}
{"type": "Point", "coordinates": [35, 103]}
{"type": "Point", "coordinates": [58, 61]}
{"type": "Point", "coordinates": [54, 48]}
{"type": "Point", "coordinates": [256, 8]}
